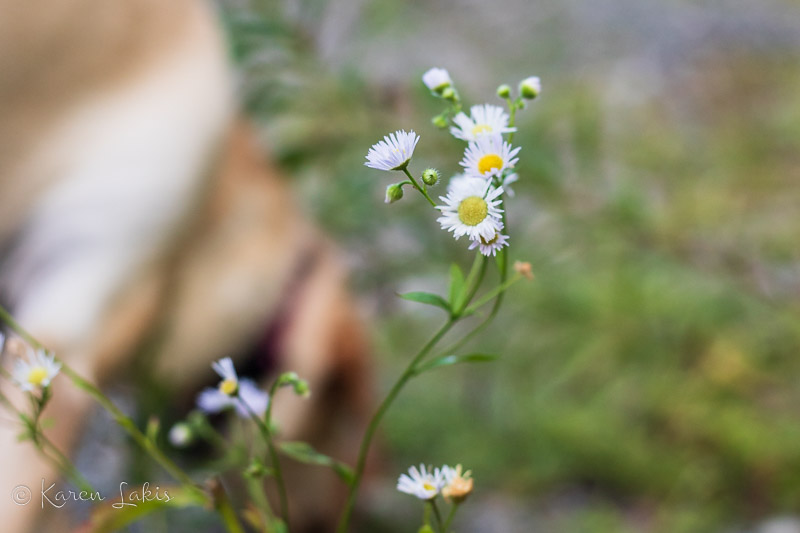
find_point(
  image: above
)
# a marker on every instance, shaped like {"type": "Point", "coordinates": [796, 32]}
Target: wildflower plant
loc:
{"type": "Point", "coordinates": [471, 207]}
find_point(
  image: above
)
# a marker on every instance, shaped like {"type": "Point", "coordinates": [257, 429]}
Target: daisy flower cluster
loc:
{"type": "Point", "coordinates": [427, 483]}
{"type": "Point", "coordinates": [474, 203]}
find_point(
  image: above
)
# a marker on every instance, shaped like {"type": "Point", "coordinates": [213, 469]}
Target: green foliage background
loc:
{"type": "Point", "coordinates": [649, 378]}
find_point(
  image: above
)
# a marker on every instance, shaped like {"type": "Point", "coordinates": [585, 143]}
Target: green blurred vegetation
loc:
{"type": "Point", "coordinates": [652, 367]}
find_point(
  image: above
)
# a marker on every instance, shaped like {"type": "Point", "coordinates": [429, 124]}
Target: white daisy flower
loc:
{"type": "Point", "coordinates": [471, 209]}
{"type": "Point", "coordinates": [489, 156]}
{"type": "Point", "coordinates": [437, 79]}
{"type": "Point", "coordinates": [424, 483]}
{"type": "Point", "coordinates": [229, 385]}
{"type": "Point", "coordinates": [37, 372]}
{"type": "Point", "coordinates": [249, 395]}
{"type": "Point", "coordinates": [483, 120]}
{"type": "Point", "coordinates": [490, 246]}
{"type": "Point", "coordinates": [393, 152]}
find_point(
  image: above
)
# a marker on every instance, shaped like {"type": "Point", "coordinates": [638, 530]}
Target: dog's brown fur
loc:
{"type": "Point", "coordinates": [237, 263]}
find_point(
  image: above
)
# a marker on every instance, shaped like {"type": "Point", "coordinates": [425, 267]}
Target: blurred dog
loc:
{"type": "Point", "coordinates": [134, 205]}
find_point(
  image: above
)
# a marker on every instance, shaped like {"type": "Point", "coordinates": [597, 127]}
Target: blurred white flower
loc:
{"type": "Point", "coordinates": [483, 120]}
{"type": "Point", "coordinates": [437, 79]}
{"type": "Point", "coordinates": [471, 209]}
{"type": "Point", "coordinates": [490, 246]}
{"type": "Point", "coordinates": [424, 483]}
{"type": "Point", "coordinates": [393, 152]}
{"type": "Point", "coordinates": [37, 371]}
{"type": "Point", "coordinates": [249, 395]}
{"type": "Point", "coordinates": [180, 435]}
{"type": "Point", "coordinates": [230, 381]}
{"type": "Point", "coordinates": [488, 156]}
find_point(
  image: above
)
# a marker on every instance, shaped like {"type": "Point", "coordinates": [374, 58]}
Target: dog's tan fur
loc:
{"type": "Point", "coordinates": [226, 253]}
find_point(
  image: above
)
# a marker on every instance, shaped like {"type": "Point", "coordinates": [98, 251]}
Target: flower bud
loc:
{"type": "Point", "coordinates": [256, 470]}
{"type": "Point", "coordinates": [430, 176]}
{"type": "Point", "coordinates": [291, 379]}
{"type": "Point", "coordinates": [504, 91]}
{"type": "Point", "coordinates": [181, 435]}
{"type": "Point", "coordinates": [450, 95]}
{"type": "Point", "coordinates": [393, 193]}
{"type": "Point", "coordinates": [437, 80]}
{"type": "Point", "coordinates": [440, 121]}
{"type": "Point", "coordinates": [529, 88]}
{"type": "Point", "coordinates": [523, 269]}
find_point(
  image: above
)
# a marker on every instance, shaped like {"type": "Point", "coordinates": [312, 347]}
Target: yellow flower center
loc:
{"type": "Point", "coordinates": [490, 162]}
{"type": "Point", "coordinates": [428, 486]}
{"type": "Point", "coordinates": [473, 210]}
{"type": "Point", "coordinates": [37, 375]}
{"type": "Point", "coordinates": [229, 387]}
{"type": "Point", "coordinates": [481, 128]}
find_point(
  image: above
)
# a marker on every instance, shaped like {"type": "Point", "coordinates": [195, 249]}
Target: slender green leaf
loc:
{"type": "Point", "coordinates": [305, 453]}
{"type": "Point", "coordinates": [426, 298]}
{"type": "Point", "coordinates": [449, 360]}
{"type": "Point", "coordinates": [457, 286]}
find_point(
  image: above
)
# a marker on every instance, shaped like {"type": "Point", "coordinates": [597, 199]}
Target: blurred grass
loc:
{"type": "Point", "coordinates": [652, 366]}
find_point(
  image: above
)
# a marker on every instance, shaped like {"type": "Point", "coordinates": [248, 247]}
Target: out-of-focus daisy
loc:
{"type": "Point", "coordinates": [489, 156]}
{"type": "Point", "coordinates": [249, 395]}
{"type": "Point", "coordinates": [437, 79]}
{"type": "Point", "coordinates": [490, 246]}
{"type": "Point", "coordinates": [457, 485]}
{"type": "Point", "coordinates": [471, 209]}
{"type": "Point", "coordinates": [483, 120]}
{"type": "Point", "coordinates": [37, 371]}
{"type": "Point", "coordinates": [424, 483]}
{"type": "Point", "coordinates": [229, 385]}
{"type": "Point", "coordinates": [393, 152]}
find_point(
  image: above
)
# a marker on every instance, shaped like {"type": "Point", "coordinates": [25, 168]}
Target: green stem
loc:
{"type": "Point", "coordinates": [416, 185]}
{"type": "Point", "coordinates": [255, 486]}
{"type": "Point", "coordinates": [450, 516]}
{"type": "Point", "coordinates": [492, 293]}
{"type": "Point", "coordinates": [378, 416]}
{"type": "Point", "coordinates": [6, 317]}
{"type": "Point", "coordinates": [130, 427]}
{"type": "Point", "coordinates": [512, 111]}
{"type": "Point", "coordinates": [437, 516]}
{"type": "Point", "coordinates": [263, 427]}
{"type": "Point", "coordinates": [227, 512]}
{"type": "Point", "coordinates": [474, 280]}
